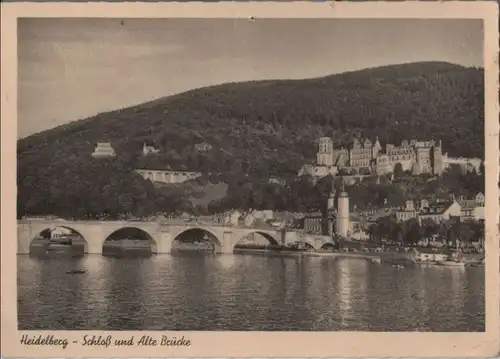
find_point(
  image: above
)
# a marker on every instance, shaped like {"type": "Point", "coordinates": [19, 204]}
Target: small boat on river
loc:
{"type": "Point", "coordinates": [76, 271]}
{"type": "Point", "coordinates": [456, 260]}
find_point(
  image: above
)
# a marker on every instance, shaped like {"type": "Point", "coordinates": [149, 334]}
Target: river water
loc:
{"type": "Point", "coordinates": [246, 292]}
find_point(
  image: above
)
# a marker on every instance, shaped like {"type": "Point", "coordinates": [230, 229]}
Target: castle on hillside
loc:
{"type": "Point", "coordinates": [366, 157]}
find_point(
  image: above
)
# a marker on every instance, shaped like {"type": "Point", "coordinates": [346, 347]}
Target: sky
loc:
{"type": "Point", "coordinates": [69, 69]}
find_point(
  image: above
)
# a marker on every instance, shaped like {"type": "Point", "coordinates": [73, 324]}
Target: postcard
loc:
{"type": "Point", "coordinates": [250, 179]}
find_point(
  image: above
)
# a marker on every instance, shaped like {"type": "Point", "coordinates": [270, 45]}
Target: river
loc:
{"type": "Point", "coordinates": [246, 292]}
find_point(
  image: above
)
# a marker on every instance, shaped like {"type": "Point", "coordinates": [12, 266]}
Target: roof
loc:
{"type": "Point", "coordinates": [434, 212]}
{"type": "Point", "coordinates": [314, 214]}
{"type": "Point", "coordinates": [355, 217]}
{"type": "Point", "coordinates": [429, 251]}
{"type": "Point", "coordinates": [467, 203]}
{"type": "Point", "coordinates": [149, 143]}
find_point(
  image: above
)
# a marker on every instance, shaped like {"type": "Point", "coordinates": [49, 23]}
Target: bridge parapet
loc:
{"type": "Point", "coordinates": [163, 233]}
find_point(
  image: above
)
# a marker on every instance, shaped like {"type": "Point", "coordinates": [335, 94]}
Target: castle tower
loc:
{"type": "Point", "coordinates": [342, 225]}
{"type": "Point", "coordinates": [437, 159]}
{"type": "Point", "coordinates": [325, 152]}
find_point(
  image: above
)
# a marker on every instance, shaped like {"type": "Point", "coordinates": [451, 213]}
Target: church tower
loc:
{"type": "Point", "coordinates": [342, 225]}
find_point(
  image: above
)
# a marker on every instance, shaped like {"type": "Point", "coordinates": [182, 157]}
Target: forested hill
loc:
{"type": "Point", "coordinates": [261, 127]}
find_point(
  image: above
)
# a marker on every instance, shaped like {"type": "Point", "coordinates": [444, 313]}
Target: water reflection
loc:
{"type": "Point", "coordinates": [246, 292]}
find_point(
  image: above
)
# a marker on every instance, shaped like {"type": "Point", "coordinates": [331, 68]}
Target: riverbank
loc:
{"type": "Point", "coordinates": [392, 258]}
{"type": "Point", "coordinates": [270, 252]}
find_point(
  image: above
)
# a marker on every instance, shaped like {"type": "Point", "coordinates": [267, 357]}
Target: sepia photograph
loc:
{"type": "Point", "coordinates": [251, 174]}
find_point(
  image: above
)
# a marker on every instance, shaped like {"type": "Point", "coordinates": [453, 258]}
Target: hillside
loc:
{"type": "Point", "coordinates": [260, 128]}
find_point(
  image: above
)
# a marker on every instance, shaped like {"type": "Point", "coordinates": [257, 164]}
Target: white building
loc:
{"type": "Point", "coordinates": [149, 149]}
{"type": "Point", "coordinates": [104, 149]}
{"type": "Point", "coordinates": [168, 176]}
{"type": "Point", "coordinates": [440, 212]}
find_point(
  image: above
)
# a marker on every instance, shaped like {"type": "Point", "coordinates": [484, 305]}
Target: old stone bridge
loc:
{"type": "Point", "coordinates": [161, 234]}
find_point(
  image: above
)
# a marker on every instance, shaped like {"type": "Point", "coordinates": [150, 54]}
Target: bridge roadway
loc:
{"type": "Point", "coordinates": [161, 234]}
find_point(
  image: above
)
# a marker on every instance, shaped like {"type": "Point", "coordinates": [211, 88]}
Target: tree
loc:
{"type": "Point", "coordinates": [412, 231]}
{"type": "Point", "coordinates": [398, 170]}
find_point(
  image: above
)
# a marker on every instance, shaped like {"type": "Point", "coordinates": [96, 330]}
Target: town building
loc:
{"type": "Point", "coordinates": [407, 212]}
{"type": "Point", "coordinates": [314, 223]}
{"type": "Point", "coordinates": [168, 176]}
{"type": "Point", "coordinates": [231, 217]}
{"type": "Point", "coordinates": [442, 210]}
{"type": "Point", "coordinates": [103, 149]}
{"type": "Point", "coordinates": [439, 212]}
{"type": "Point", "coordinates": [472, 209]}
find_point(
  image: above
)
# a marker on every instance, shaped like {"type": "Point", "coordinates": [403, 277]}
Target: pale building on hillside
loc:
{"type": "Point", "coordinates": [168, 176]}
{"type": "Point", "coordinates": [103, 149]}
{"type": "Point", "coordinates": [203, 147]}
{"type": "Point", "coordinates": [149, 149]}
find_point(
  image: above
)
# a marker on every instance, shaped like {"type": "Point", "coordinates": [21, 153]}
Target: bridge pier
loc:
{"type": "Point", "coordinates": [24, 237]}
{"type": "Point", "coordinates": [227, 243]}
{"type": "Point", "coordinates": [94, 247]}
{"type": "Point", "coordinates": [163, 242]}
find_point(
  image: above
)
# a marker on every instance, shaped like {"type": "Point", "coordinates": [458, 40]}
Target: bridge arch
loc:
{"type": "Point", "coordinates": [196, 239]}
{"type": "Point", "coordinates": [41, 242]}
{"type": "Point", "coordinates": [129, 239]}
{"type": "Point", "coordinates": [309, 243]}
{"type": "Point", "coordinates": [328, 246]}
{"type": "Point", "coordinates": [248, 240]}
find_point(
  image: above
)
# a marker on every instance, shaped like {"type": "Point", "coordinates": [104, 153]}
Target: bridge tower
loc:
{"type": "Point", "coordinates": [342, 225]}
{"type": "Point", "coordinates": [331, 198]}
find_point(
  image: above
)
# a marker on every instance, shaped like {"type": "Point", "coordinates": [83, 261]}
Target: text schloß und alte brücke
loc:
{"type": "Point", "coordinates": [105, 341]}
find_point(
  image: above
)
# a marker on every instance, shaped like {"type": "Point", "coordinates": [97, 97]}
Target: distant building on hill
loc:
{"type": "Point", "coordinates": [149, 149]}
{"type": "Point", "coordinates": [203, 147]}
{"type": "Point", "coordinates": [104, 149]}
{"type": "Point", "coordinates": [168, 176]}
{"type": "Point", "coordinates": [277, 180]}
